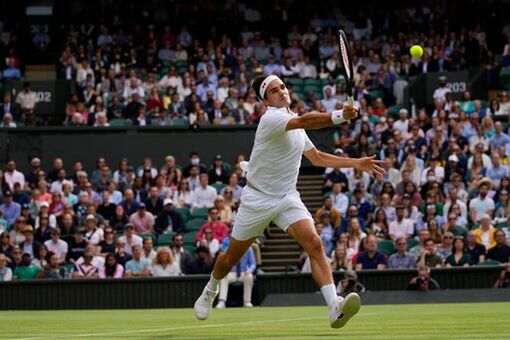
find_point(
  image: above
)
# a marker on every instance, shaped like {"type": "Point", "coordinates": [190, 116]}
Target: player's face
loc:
{"type": "Point", "coordinates": [277, 94]}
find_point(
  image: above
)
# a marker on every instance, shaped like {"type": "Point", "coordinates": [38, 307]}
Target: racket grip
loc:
{"type": "Point", "coordinates": [351, 101]}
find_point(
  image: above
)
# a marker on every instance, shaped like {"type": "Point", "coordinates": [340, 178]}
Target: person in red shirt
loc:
{"type": "Point", "coordinates": [219, 229]}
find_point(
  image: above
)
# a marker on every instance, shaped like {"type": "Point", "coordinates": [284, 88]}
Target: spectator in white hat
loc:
{"type": "Point", "coordinates": [403, 123]}
{"type": "Point", "coordinates": [168, 221]}
{"type": "Point", "coordinates": [93, 233]}
{"type": "Point", "coordinates": [44, 210]}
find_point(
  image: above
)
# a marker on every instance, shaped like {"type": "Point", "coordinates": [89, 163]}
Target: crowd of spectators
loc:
{"type": "Point", "coordinates": [442, 203]}
{"type": "Point", "coordinates": [167, 74]}
{"type": "Point", "coordinates": [117, 222]}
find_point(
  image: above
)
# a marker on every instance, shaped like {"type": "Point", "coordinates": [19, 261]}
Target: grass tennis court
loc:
{"type": "Point", "coordinates": [425, 321]}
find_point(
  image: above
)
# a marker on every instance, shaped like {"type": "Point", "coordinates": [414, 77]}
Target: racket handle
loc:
{"type": "Point", "coordinates": [351, 101]}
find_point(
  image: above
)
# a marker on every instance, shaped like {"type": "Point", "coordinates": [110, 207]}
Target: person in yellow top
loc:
{"type": "Point", "coordinates": [328, 206]}
{"type": "Point", "coordinates": [485, 233]}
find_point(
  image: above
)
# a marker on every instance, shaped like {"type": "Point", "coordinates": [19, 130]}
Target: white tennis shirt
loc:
{"type": "Point", "coordinates": [276, 155]}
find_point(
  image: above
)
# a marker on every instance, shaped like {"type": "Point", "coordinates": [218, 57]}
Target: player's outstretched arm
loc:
{"type": "Point", "coordinates": [368, 164]}
{"type": "Point", "coordinates": [315, 120]}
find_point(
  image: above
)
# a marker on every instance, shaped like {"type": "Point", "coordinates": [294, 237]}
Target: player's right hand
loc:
{"type": "Point", "coordinates": [350, 112]}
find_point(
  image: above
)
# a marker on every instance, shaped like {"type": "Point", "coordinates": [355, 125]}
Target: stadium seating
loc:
{"type": "Point", "coordinates": [200, 213]}
{"type": "Point", "coordinates": [195, 224]}
{"type": "Point", "coordinates": [386, 246]}
{"type": "Point", "coordinates": [185, 214]}
{"type": "Point", "coordinates": [164, 240]}
{"type": "Point", "coordinates": [218, 187]}
{"type": "Point", "coordinates": [412, 243]}
{"type": "Point", "coordinates": [149, 235]}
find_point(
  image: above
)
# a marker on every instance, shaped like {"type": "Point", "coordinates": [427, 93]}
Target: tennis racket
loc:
{"type": "Point", "coordinates": [346, 60]}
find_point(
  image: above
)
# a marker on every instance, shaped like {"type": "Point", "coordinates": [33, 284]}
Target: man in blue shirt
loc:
{"type": "Point", "coordinates": [12, 72]}
{"type": "Point", "coordinates": [371, 258]}
{"type": "Point", "coordinates": [497, 170]}
{"type": "Point", "coordinates": [242, 272]}
{"type": "Point", "coordinates": [500, 138]}
{"type": "Point", "coordinates": [138, 266]}
{"type": "Point", "coordinates": [10, 209]}
{"type": "Point", "coordinates": [19, 196]}
{"type": "Point", "coordinates": [401, 259]}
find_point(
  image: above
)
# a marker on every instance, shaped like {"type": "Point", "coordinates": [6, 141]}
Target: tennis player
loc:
{"type": "Point", "coordinates": [270, 194]}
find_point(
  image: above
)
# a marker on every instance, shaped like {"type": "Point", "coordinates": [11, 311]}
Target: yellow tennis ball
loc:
{"type": "Point", "coordinates": [416, 51]}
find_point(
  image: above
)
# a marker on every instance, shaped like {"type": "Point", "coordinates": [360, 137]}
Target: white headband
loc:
{"type": "Point", "coordinates": [265, 84]}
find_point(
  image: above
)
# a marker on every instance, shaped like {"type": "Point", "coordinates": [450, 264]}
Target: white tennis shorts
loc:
{"type": "Point", "coordinates": [258, 209]}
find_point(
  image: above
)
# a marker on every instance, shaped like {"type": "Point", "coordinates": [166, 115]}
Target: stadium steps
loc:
{"type": "Point", "coordinates": [281, 262]}
{"type": "Point", "coordinates": [287, 241]}
{"type": "Point", "coordinates": [280, 252]}
{"type": "Point", "coordinates": [310, 188]}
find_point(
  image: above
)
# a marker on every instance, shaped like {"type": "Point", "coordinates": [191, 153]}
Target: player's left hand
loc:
{"type": "Point", "coordinates": [370, 164]}
{"type": "Point", "coordinates": [350, 112]}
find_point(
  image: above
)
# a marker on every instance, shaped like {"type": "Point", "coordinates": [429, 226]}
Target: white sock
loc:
{"type": "Point", "coordinates": [213, 283]}
{"type": "Point", "coordinates": [329, 292]}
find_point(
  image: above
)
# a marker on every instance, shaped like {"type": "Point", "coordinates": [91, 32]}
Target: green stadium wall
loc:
{"type": "Point", "coordinates": [88, 143]}
{"type": "Point", "coordinates": [180, 292]}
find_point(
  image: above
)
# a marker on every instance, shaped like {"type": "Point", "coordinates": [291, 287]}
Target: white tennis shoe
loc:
{"type": "Point", "coordinates": [204, 303]}
{"type": "Point", "coordinates": [344, 310]}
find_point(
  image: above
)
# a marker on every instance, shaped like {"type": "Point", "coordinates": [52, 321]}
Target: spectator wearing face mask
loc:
{"type": "Point", "coordinates": [194, 160]}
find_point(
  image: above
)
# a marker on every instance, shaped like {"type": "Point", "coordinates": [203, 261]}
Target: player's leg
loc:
{"type": "Point", "coordinates": [304, 233]}
{"type": "Point", "coordinates": [255, 213]}
{"type": "Point", "coordinates": [224, 264]}
{"type": "Point", "coordinates": [340, 310]}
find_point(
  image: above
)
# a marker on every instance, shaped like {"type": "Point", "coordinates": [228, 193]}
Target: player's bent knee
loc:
{"type": "Point", "coordinates": [314, 247]}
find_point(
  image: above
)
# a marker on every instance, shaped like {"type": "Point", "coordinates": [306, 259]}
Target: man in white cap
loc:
{"type": "Point", "coordinates": [270, 194]}
{"type": "Point", "coordinates": [453, 166]}
{"type": "Point", "coordinates": [403, 123]}
{"type": "Point", "coordinates": [93, 233]}
{"type": "Point", "coordinates": [44, 208]}
{"type": "Point", "coordinates": [168, 221]}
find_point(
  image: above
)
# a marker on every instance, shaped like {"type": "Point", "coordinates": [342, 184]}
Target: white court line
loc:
{"type": "Point", "coordinates": [152, 330]}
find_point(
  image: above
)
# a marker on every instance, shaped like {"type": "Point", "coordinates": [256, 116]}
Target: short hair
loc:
{"type": "Point", "coordinates": [398, 239]}
{"type": "Point", "coordinates": [484, 184]}
{"type": "Point", "coordinates": [202, 249]}
{"type": "Point", "coordinates": [499, 231]}
{"type": "Point", "coordinates": [428, 240]}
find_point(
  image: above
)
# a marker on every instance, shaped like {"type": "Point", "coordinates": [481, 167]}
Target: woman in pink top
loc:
{"type": "Point", "coordinates": [111, 268]}
{"type": "Point", "coordinates": [57, 205]}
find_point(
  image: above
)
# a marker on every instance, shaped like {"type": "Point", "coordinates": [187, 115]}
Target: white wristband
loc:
{"type": "Point", "coordinates": [337, 117]}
